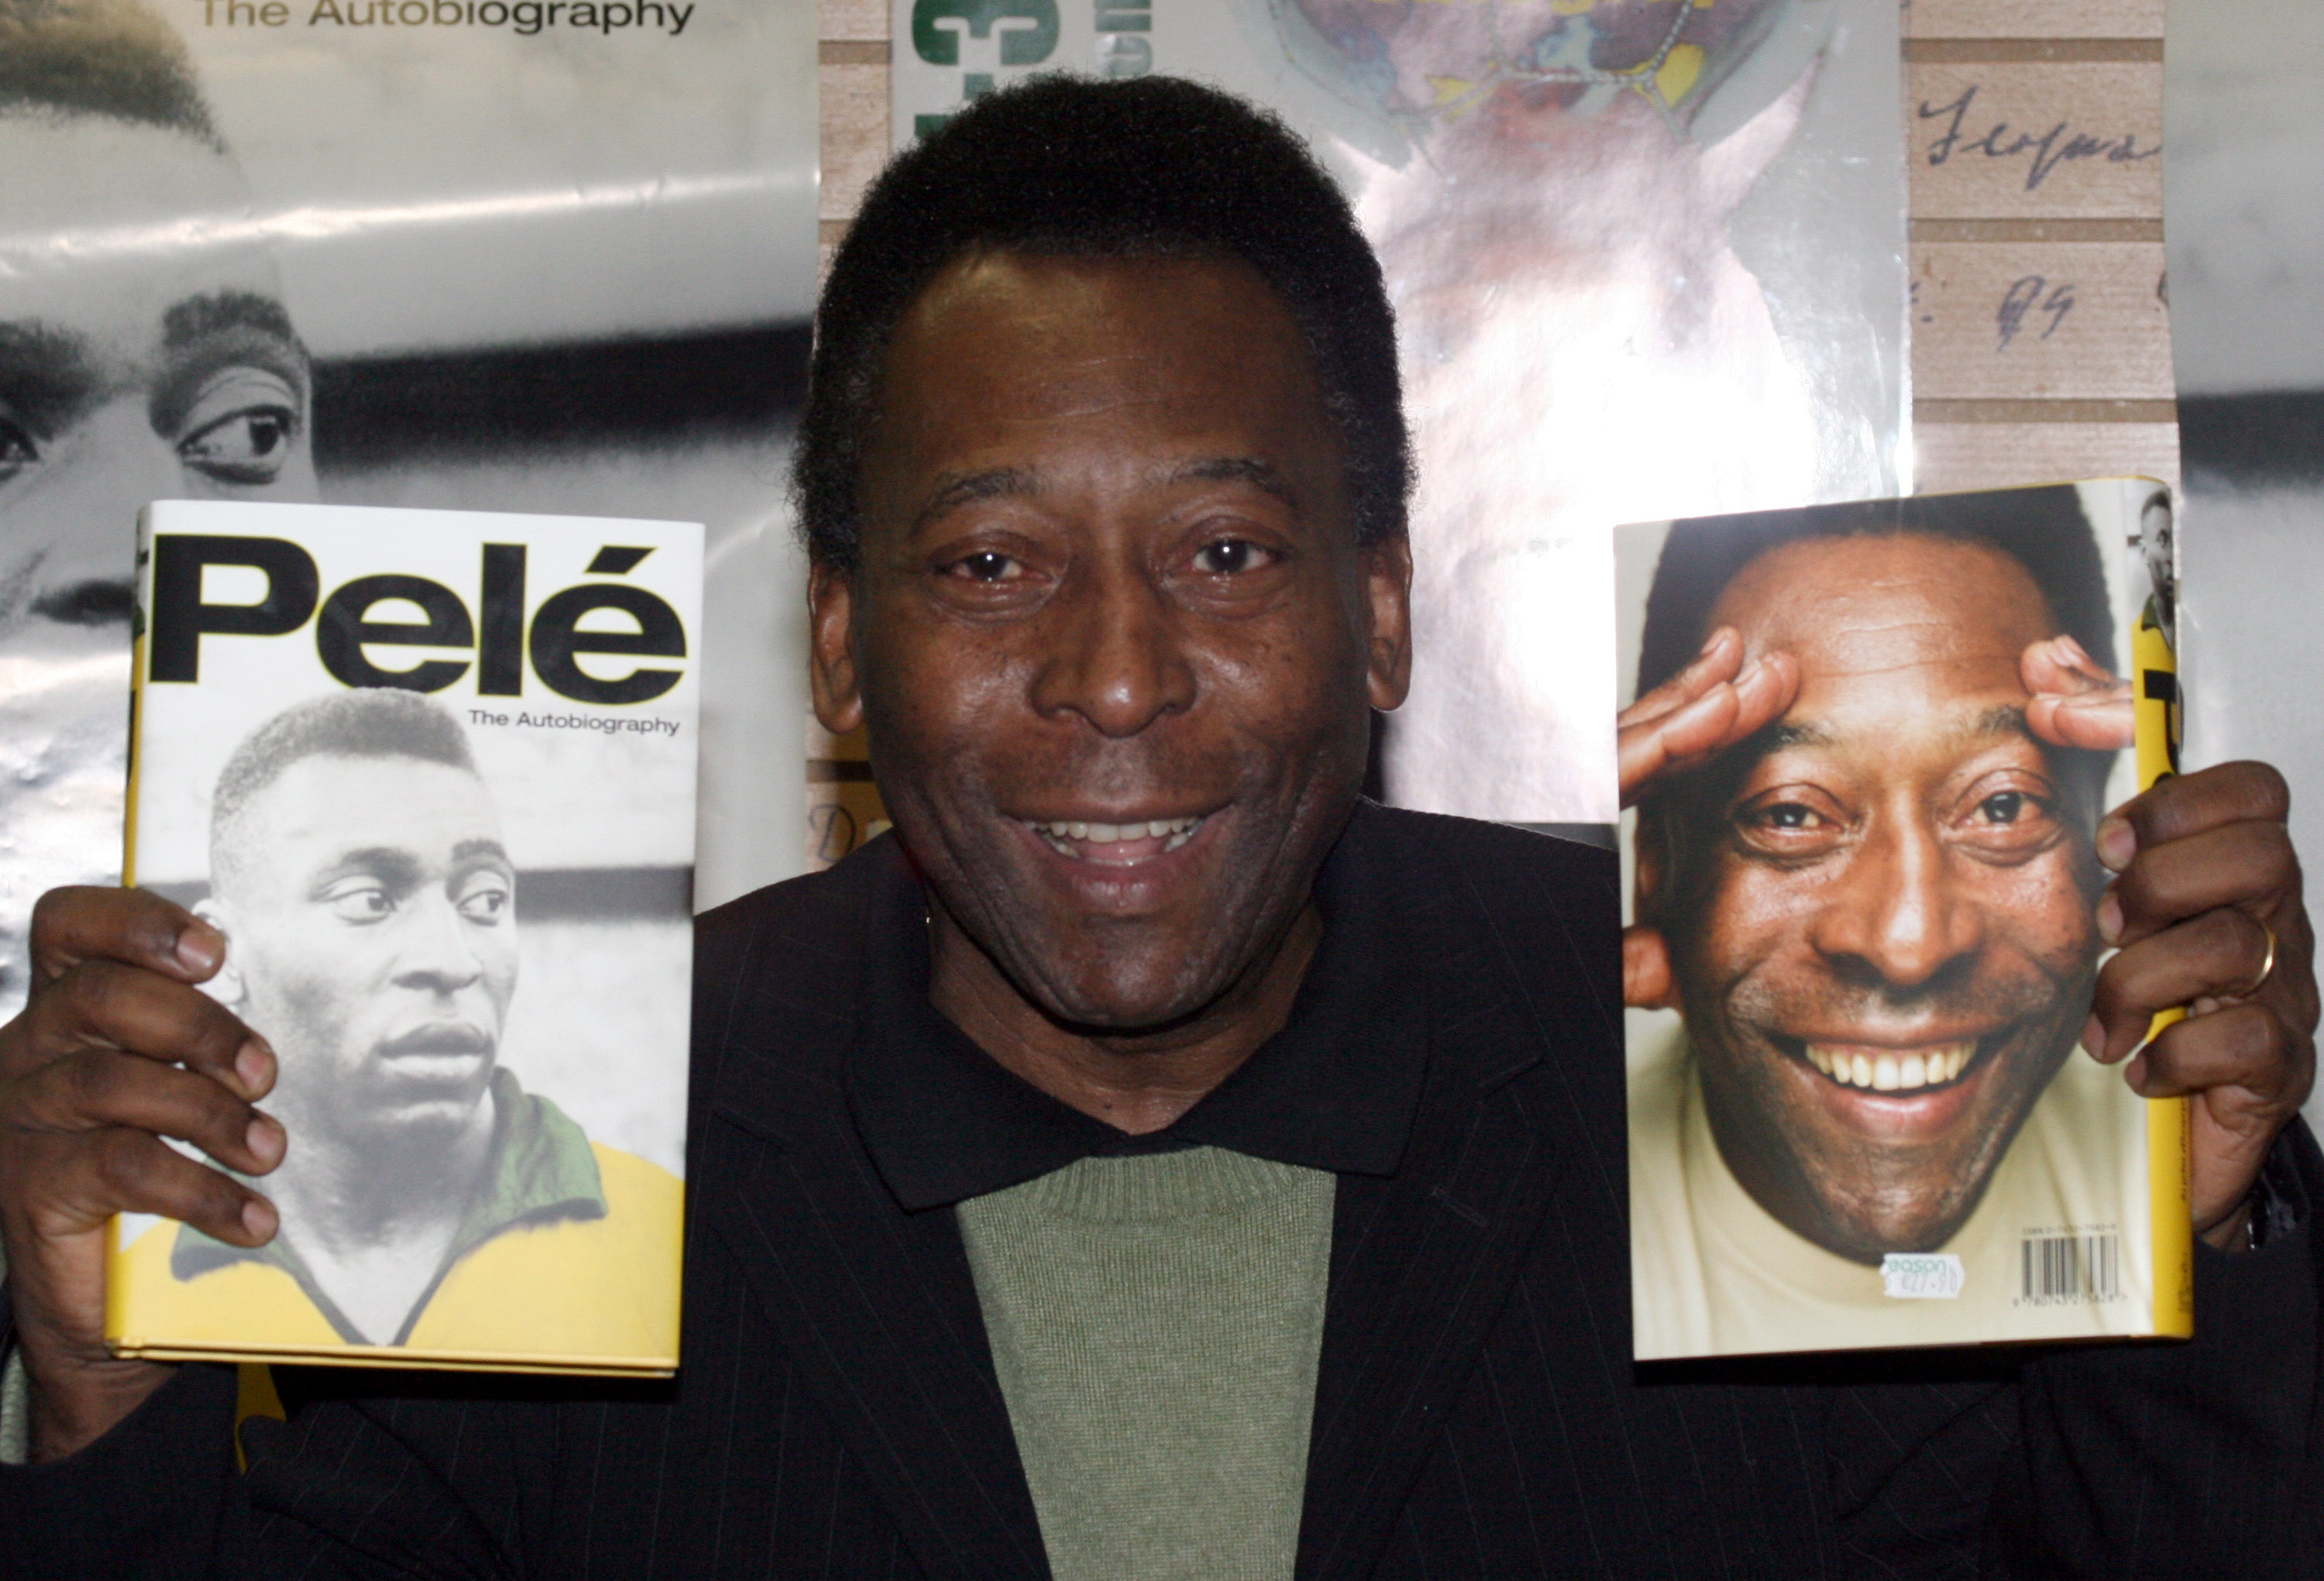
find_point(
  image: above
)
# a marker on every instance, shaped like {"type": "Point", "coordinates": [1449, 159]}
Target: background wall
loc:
{"type": "Point", "coordinates": [2244, 170]}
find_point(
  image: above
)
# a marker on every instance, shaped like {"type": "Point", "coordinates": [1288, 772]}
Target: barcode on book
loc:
{"type": "Point", "coordinates": [2071, 1268]}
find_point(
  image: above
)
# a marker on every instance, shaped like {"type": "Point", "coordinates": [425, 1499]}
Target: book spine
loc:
{"type": "Point", "coordinates": [2154, 672]}
{"type": "Point", "coordinates": [140, 623]}
{"type": "Point", "coordinates": [139, 627]}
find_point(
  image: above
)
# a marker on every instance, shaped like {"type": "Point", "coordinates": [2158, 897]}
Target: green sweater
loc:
{"type": "Point", "coordinates": [1155, 1321]}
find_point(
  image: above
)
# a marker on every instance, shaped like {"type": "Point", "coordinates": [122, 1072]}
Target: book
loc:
{"type": "Point", "coordinates": [432, 775]}
{"type": "Point", "coordinates": [1865, 748]}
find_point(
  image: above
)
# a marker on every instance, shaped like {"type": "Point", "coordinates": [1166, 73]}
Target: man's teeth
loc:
{"type": "Point", "coordinates": [1173, 831]}
{"type": "Point", "coordinates": [1893, 1072]}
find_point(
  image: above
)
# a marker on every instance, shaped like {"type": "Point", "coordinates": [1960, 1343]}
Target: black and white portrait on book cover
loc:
{"type": "Point", "coordinates": [431, 775]}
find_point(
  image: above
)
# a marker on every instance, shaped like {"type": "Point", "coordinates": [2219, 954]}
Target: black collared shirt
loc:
{"type": "Point", "coordinates": [1335, 1090]}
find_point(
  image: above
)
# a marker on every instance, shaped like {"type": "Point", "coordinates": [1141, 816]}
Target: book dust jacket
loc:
{"type": "Point", "coordinates": [1863, 749]}
{"type": "Point", "coordinates": [432, 775]}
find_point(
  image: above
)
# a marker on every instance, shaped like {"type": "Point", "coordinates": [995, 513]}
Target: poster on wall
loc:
{"type": "Point", "coordinates": [1647, 260]}
{"type": "Point", "coordinates": [478, 255]}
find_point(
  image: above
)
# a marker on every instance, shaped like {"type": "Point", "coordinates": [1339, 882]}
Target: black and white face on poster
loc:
{"type": "Point", "coordinates": [454, 254]}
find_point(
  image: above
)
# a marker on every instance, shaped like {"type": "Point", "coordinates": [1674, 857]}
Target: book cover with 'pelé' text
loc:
{"type": "Point", "coordinates": [432, 775]}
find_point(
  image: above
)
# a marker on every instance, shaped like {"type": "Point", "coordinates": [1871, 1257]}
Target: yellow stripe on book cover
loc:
{"type": "Point", "coordinates": [484, 1315]}
{"type": "Point", "coordinates": [2154, 692]}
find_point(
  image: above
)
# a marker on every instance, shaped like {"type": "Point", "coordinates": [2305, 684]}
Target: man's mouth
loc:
{"type": "Point", "coordinates": [1891, 1070]}
{"type": "Point", "coordinates": [1116, 843]}
{"type": "Point", "coordinates": [438, 1039]}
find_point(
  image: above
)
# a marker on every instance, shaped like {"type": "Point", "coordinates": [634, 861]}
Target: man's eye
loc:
{"type": "Point", "coordinates": [485, 900]}
{"type": "Point", "coordinates": [243, 428]}
{"type": "Point", "coordinates": [987, 566]}
{"type": "Point", "coordinates": [17, 450]}
{"type": "Point", "coordinates": [1790, 825]}
{"type": "Point", "coordinates": [244, 447]}
{"type": "Point", "coordinates": [2010, 824]}
{"type": "Point", "coordinates": [2004, 808]}
{"type": "Point", "coordinates": [1228, 557]}
{"type": "Point", "coordinates": [361, 901]}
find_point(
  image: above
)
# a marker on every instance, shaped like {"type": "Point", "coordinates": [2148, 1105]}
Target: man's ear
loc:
{"type": "Point", "coordinates": [225, 985]}
{"type": "Point", "coordinates": [1647, 980]}
{"type": "Point", "coordinates": [832, 670]}
{"type": "Point", "coordinates": [1648, 861]}
{"type": "Point", "coordinates": [1387, 586]}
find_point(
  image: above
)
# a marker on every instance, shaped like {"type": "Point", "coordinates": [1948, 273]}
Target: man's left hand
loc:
{"type": "Point", "coordinates": [2206, 909]}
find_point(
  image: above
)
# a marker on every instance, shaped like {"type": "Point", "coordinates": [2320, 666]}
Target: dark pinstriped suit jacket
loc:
{"type": "Point", "coordinates": [1477, 1412]}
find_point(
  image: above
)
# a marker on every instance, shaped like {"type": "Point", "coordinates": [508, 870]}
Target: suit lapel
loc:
{"type": "Point", "coordinates": [876, 1310]}
{"type": "Point", "coordinates": [1423, 1261]}
{"type": "Point", "coordinates": [1423, 1266]}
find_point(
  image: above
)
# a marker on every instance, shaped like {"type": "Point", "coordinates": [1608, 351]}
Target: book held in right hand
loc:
{"type": "Point", "coordinates": [1863, 762]}
{"type": "Point", "coordinates": [431, 774]}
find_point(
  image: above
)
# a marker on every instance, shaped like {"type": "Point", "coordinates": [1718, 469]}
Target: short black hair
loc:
{"type": "Point", "coordinates": [1148, 167]}
{"type": "Point", "coordinates": [2044, 529]}
{"type": "Point", "coordinates": [384, 722]}
{"type": "Point", "coordinates": [113, 59]}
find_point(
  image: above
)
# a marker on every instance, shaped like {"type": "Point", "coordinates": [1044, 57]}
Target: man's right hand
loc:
{"type": "Point", "coordinates": [1698, 713]}
{"type": "Point", "coordinates": [1682, 724]}
{"type": "Point", "coordinates": [115, 1050]}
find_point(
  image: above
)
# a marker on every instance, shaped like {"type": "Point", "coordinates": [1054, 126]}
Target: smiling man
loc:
{"type": "Point", "coordinates": [1153, 1162]}
{"type": "Point", "coordinates": [145, 355]}
{"type": "Point", "coordinates": [1878, 911]}
{"type": "Point", "coordinates": [357, 869]}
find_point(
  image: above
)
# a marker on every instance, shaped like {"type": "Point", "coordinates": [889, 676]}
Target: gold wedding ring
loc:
{"type": "Point", "coordinates": [2266, 966]}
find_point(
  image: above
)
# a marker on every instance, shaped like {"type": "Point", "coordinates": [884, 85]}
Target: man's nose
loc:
{"type": "Point", "coordinates": [118, 467]}
{"type": "Point", "coordinates": [1115, 652]}
{"type": "Point", "coordinates": [437, 953]}
{"type": "Point", "coordinates": [1898, 915]}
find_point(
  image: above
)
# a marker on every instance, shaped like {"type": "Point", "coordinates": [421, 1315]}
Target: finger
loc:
{"type": "Point", "coordinates": [102, 1089]}
{"type": "Point", "coordinates": [2246, 1074]}
{"type": "Point", "coordinates": [128, 1171]}
{"type": "Point", "coordinates": [2214, 955]}
{"type": "Point", "coordinates": [2042, 669]}
{"type": "Point", "coordinates": [2062, 666]}
{"type": "Point", "coordinates": [1647, 751]}
{"type": "Point", "coordinates": [1766, 687]}
{"type": "Point", "coordinates": [103, 1003]}
{"type": "Point", "coordinates": [2249, 865]}
{"type": "Point", "coordinates": [1721, 659]}
{"type": "Point", "coordinates": [2243, 1047]}
{"type": "Point", "coordinates": [2190, 804]}
{"type": "Point", "coordinates": [136, 926]}
{"type": "Point", "coordinates": [2095, 722]}
{"type": "Point", "coordinates": [1727, 713]}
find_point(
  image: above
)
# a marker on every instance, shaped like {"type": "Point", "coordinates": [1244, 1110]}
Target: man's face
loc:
{"type": "Point", "coordinates": [1883, 937]}
{"type": "Point", "coordinates": [2162, 559]}
{"type": "Point", "coordinates": [372, 926]}
{"type": "Point", "coordinates": [1112, 633]}
{"type": "Point", "coordinates": [142, 357]}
